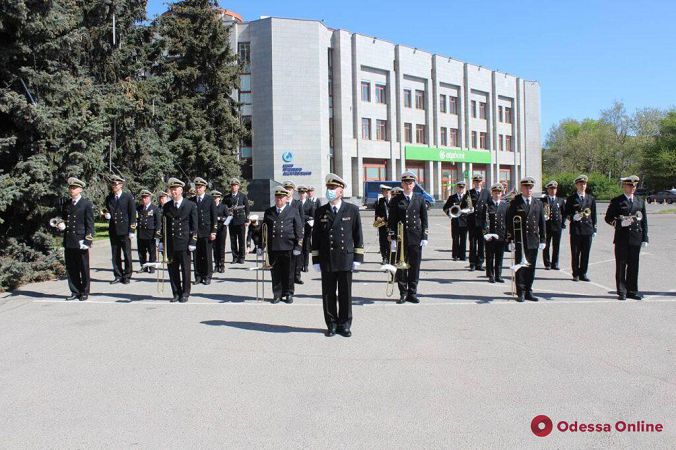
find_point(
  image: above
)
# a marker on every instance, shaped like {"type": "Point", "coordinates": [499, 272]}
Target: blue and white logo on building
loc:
{"type": "Point", "coordinates": [287, 157]}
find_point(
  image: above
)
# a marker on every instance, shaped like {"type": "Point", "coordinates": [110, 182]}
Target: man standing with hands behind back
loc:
{"type": "Point", "coordinates": [207, 225]}
{"type": "Point", "coordinates": [238, 205]}
{"type": "Point", "coordinates": [121, 216]}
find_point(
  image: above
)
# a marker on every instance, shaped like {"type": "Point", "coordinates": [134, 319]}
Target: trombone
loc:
{"type": "Point", "coordinates": [401, 264]}
{"type": "Point", "coordinates": [160, 264]}
{"type": "Point", "coordinates": [517, 225]}
{"type": "Point", "coordinates": [261, 268]}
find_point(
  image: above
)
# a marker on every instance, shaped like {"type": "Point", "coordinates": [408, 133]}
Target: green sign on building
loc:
{"type": "Point", "coordinates": [446, 154]}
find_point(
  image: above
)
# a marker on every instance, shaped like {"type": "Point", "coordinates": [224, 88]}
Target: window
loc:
{"type": "Point", "coordinates": [366, 128]}
{"type": "Point", "coordinates": [408, 133]}
{"type": "Point", "coordinates": [244, 56]}
{"type": "Point", "coordinates": [443, 137]}
{"type": "Point", "coordinates": [381, 94]}
{"type": "Point", "coordinates": [365, 91]}
{"type": "Point", "coordinates": [381, 130]}
{"type": "Point", "coordinates": [474, 109]}
{"type": "Point", "coordinates": [482, 110]}
{"type": "Point", "coordinates": [473, 139]}
{"type": "Point", "coordinates": [501, 142]}
{"type": "Point", "coordinates": [453, 105]}
{"type": "Point", "coordinates": [508, 143]}
{"type": "Point", "coordinates": [483, 140]}
{"type": "Point", "coordinates": [245, 89]}
{"type": "Point", "coordinates": [500, 114]}
{"type": "Point", "coordinates": [246, 141]}
{"type": "Point", "coordinates": [407, 98]}
{"type": "Point", "coordinates": [331, 133]}
{"type": "Point", "coordinates": [245, 98]}
{"type": "Point", "coordinates": [419, 99]}
{"type": "Point", "coordinates": [442, 103]}
{"type": "Point", "coordinates": [454, 137]}
{"type": "Point", "coordinates": [508, 115]}
{"type": "Point", "coordinates": [420, 134]}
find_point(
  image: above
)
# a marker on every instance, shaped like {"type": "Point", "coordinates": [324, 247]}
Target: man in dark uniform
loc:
{"type": "Point", "coordinates": [313, 199]}
{"type": "Point", "coordinates": [181, 222]}
{"type": "Point", "coordinates": [221, 232]}
{"type": "Point", "coordinates": [458, 224]}
{"type": "Point", "coordinates": [555, 207]}
{"type": "Point", "coordinates": [254, 235]}
{"type": "Point", "coordinates": [475, 223]}
{"type": "Point", "coordinates": [297, 262]}
{"type": "Point", "coordinates": [285, 240]}
{"type": "Point", "coordinates": [309, 208]}
{"type": "Point", "coordinates": [494, 212]}
{"type": "Point", "coordinates": [627, 214]}
{"type": "Point", "coordinates": [409, 209]}
{"type": "Point", "coordinates": [532, 238]}
{"type": "Point", "coordinates": [77, 225]}
{"type": "Point", "coordinates": [381, 216]}
{"type": "Point", "coordinates": [337, 250]}
{"type": "Point", "coordinates": [162, 198]}
{"type": "Point", "coordinates": [207, 225]}
{"type": "Point", "coordinates": [238, 206]}
{"type": "Point", "coordinates": [121, 216]}
{"type": "Point", "coordinates": [581, 212]}
{"type": "Point", "coordinates": [149, 222]}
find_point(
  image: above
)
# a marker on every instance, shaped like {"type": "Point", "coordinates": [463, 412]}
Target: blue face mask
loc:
{"type": "Point", "coordinates": [331, 194]}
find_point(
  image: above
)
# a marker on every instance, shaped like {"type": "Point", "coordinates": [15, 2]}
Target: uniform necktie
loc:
{"type": "Point", "coordinates": [335, 210]}
{"type": "Point", "coordinates": [279, 210]}
{"type": "Point", "coordinates": [74, 202]}
{"type": "Point", "coordinates": [528, 202]}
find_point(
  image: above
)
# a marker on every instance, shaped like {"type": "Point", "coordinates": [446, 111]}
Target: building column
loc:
{"type": "Point", "coordinates": [429, 171]}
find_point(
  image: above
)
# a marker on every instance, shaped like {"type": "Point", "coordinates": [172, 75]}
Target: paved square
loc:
{"type": "Point", "coordinates": [466, 368]}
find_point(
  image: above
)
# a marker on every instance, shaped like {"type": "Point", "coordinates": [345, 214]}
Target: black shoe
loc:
{"type": "Point", "coordinates": [288, 299]}
{"type": "Point", "coordinates": [151, 270]}
{"type": "Point", "coordinates": [471, 268]}
{"type": "Point", "coordinates": [125, 281]}
{"type": "Point", "coordinates": [72, 297]}
{"type": "Point", "coordinates": [275, 300]}
{"type": "Point", "coordinates": [221, 269]}
{"type": "Point", "coordinates": [174, 299]}
{"type": "Point", "coordinates": [529, 296]}
{"type": "Point", "coordinates": [331, 331]}
{"type": "Point", "coordinates": [116, 280]}
{"type": "Point", "coordinates": [584, 278]}
{"type": "Point", "coordinates": [491, 279]}
{"type": "Point", "coordinates": [84, 298]}
{"type": "Point", "coordinates": [499, 280]}
{"type": "Point", "coordinates": [240, 261]}
{"type": "Point", "coordinates": [402, 299]}
{"type": "Point", "coordinates": [520, 298]}
{"type": "Point", "coordinates": [621, 297]}
{"type": "Point", "coordinates": [183, 299]}
{"type": "Point", "coordinates": [547, 267]}
{"type": "Point", "coordinates": [455, 259]}
{"type": "Point", "coordinates": [635, 296]}
{"type": "Point", "coordinates": [234, 261]}
{"type": "Point", "coordinates": [206, 281]}
{"type": "Point", "coordinates": [198, 280]}
{"type": "Point", "coordinates": [412, 298]}
{"type": "Point", "coordinates": [345, 333]}
{"type": "Point", "coordinates": [479, 267]}
{"type": "Point", "coordinates": [299, 282]}
{"type": "Point", "coordinates": [555, 267]}
{"type": "Point", "coordinates": [576, 278]}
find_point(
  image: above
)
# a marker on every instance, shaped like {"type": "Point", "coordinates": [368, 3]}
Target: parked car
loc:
{"type": "Point", "coordinates": [663, 196]}
{"type": "Point", "coordinates": [372, 191]}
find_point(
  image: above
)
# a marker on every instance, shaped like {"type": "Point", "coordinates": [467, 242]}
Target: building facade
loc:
{"type": "Point", "coordinates": [322, 100]}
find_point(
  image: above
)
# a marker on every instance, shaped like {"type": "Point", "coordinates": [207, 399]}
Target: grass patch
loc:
{"type": "Point", "coordinates": [666, 211]}
{"type": "Point", "coordinates": [100, 231]}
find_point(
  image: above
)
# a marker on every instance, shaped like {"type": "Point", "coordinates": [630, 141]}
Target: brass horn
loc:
{"type": "Point", "coordinates": [260, 268]}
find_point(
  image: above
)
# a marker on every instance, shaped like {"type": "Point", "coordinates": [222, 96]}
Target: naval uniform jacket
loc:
{"type": "Point", "coordinates": [285, 231]}
{"type": "Point", "coordinates": [413, 214]}
{"type": "Point", "coordinates": [221, 214]}
{"type": "Point", "coordinates": [337, 239]}
{"type": "Point", "coordinates": [207, 216]}
{"type": "Point", "coordinates": [478, 199]}
{"type": "Point", "coordinates": [122, 214]}
{"type": "Point", "coordinates": [532, 222]}
{"type": "Point", "coordinates": [149, 221]}
{"type": "Point", "coordinates": [382, 206]}
{"type": "Point", "coordinates": [309, 208]}
{"type": "Point", "coordinates": [637, 232]}
{"type": "Point", "coordinates": [557, 213]}
{"type": "Point", "coordinates": [181, 225]}
{"type": "Point", "coordinates": [455, 199]}
{"type": "Point", "coordinates": [79, 221]}
{"type": "Point", "coordinates": [586, 226]}
{"type": "Point", "coordinates": [238, 205]}
{"type": "Point", "coordinates": [495, 219]}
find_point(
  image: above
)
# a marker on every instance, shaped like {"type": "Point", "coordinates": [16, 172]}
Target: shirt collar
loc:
{"type": "Point", "coordinates": [178, 202]}
{"type": "Point", "coordinates": [76, 199]}
{"type": "Point", "coordinates": [631, 199]}
{"type": "Point", "coordinates": [338, 204]}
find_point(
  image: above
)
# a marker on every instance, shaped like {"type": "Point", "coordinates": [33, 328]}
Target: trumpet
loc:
{"type": "Point", "coordinates": [379, 222]}
{"type": "Point", "coordinates": [260, 268]}
{"type": "Point", "coordinates": [54, 222]}
{"type": "Point", "coordinates": [548, 210]}
{"type": "Point", "coordinates": [517, 225]}
{"type": "Point", "coordinates": [456, 211]}
{"type": "Point", "coordinates": [586, 212]}
{"type": "Point", "coordinates": [637, 217]}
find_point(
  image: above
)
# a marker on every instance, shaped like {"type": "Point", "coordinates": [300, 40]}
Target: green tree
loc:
{"type": "Point", "coordinates": [659, 159]}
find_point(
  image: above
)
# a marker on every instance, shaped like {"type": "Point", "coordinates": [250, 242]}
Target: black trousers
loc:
{"type": "Point", "coordinates": [476, 247]}
{"type": "Point", "coordinates": [219, 247]}
{"type": "Point", "coordinates": [237, 241]}
{"type": "Point", "coordinates": [495, 250]}
{"type": "Point", "coordinates": [307, 247]}
{"type": "Point", "coordinates": [580, 247]}
{"type": "Point", "coordinates": [459, 248]}
{"type": "Point", "coordinates": [407, 280]}
{"type": "Point", "coordinates": [384, 243]}
{"type": "Point", "coordinates": [146, 250]}
{"type": "Point", "coordinates": [552, 243]}
{"type": "Point", "coordinates": [179, 272]}
{"type": "Point", "coordinates": [204, 264]}
{"type": "Point", "coordinates": [525, 275]}
{"type": "Point", "coordinates": [626, 268]}
{"type": "Point", "coordinates": [337, 308]}
{"type": "Point", "coordinates": [283, 265]}
{"type": "Point", "coordinates": [77, 266]}
{"type": "Point", "coordinates": [121, 245]}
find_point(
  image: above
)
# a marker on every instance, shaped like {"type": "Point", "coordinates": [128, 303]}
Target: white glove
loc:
{"type": "Point", "coordinates": [593, 235]}
{"type": "Point", "coordinates": [577, 217]}
{"type": "Point", "coordinates": [317, 267]}
{"type": "Point", "coordinates": [228, 220]}
{"type": "Point", "coordinates": [161, 247]}
{"type": "Point", "coordinates": [511, 246]}
{"type": "Point", "coordinates": [423, 243]}
{"type": "Point", "coordinates": [132, 235]}
{"type": "Point", "coordinates": [296, 252]}
{"type": "Point", "coordinates": [644, 245]}
{"type": "Point", "coordinates": [61, 226]}
{"type": "Point", "coordinates": [355, 264]}
{"type": "Point", "coordinates": [488, 237]}
{"type": "Point", "coordinates": [311, 222]}
{"type": "Point", "coordinates": [192, 248]}
{"type": "Point", "coordinates": [393, 246]}
{"type": "Point", "coordinates": [107, 216]}
{"type": "Point", "coordinates": [83, 246]}
{"type": "Point", "coordinates": [541, 246]}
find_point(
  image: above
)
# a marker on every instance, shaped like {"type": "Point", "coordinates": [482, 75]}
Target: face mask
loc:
{"type": "Point", "coordinates": [331, 194]}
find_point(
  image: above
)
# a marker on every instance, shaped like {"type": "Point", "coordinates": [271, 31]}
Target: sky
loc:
{"type": "Point", "coordinates": [584, 54]}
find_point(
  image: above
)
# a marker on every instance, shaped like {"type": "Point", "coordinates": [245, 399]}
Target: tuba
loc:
{"type": "Point", "coordinates": [260, 268]}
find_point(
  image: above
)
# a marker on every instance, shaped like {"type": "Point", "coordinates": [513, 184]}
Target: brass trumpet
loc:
{"type": "Point", "coordinates": [637, 217]}
{"type": "Point", "coordinates": [586, 212]}
{"type": "Point", "coordinates": [54, 222]}
{"type": "Point", "coordinates": [261, 268]}
{"type": "Point", "coordinates": [379, 222]}
{"type": "Point", "coordinates": [401, 264]}
{"type": "Point", "coordinates": [548, 210]}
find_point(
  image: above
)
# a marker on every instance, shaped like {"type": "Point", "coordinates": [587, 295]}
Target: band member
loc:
{"type": "Point", "coordinates": [309, 208]}
{"type": "Point", "coordinates": [238, 205]}
{"type": "Point", "coordinates": [409, 209]}
{"type": "Point", "coordinates": [207, 226]}
{"type": "Point", "coordinates": [311, 196]}
{"type": "Point", "coordinates": [475, 223]}
{"type": "Point", "coordinates": [149, 222]}
{"type": "Point", "coordinates": [285, 240]}
{"type": "Point", "coordinates": [221, 232]}
{"type": "Point", "coordinates": [181, 222]}
{"type": "Point", "coordinates": [555, 208]}
{"type": "Point", "coordinates": [254, 236]}
{"type": "Point", "coordinates": [458, 224]}
{"type": "Point", "coordinates": [162, 198]}
{"type": "Point", "coordinates": [77, 225]}
{"type": "Point", "coordinates": [581, 212]}
{"type": "Point", "coordinates": [337, 250]}
{"type": "Point", "coordinates": [530, 239]}
{"type": "Point", "coordinates": [121, 216]}
{"type": "Point", "coordinates": [297, 262]}
{"type": "Point", "coordinates": [381, 216]}
{"type": "Point", "coordinates": [495, 232]}
{"type": "Point", "coordinates": [627, 214]}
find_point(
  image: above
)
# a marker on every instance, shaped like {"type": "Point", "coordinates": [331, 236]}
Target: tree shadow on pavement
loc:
{"type": "Point", "coordinates": [264, 327]}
